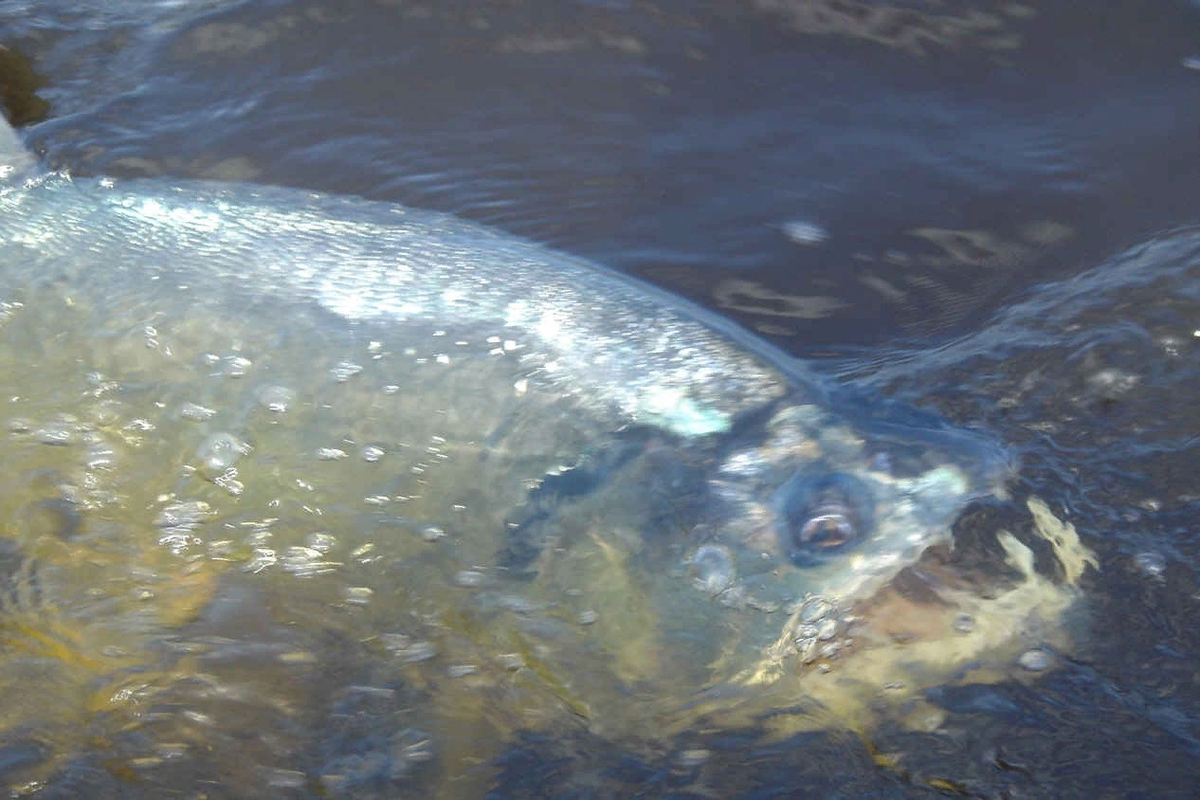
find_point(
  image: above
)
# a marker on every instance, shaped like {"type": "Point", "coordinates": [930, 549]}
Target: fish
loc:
{"type": "Point", "coordinates": [302, 384]}
{"type": "Point", "coordinates": [826, 496]}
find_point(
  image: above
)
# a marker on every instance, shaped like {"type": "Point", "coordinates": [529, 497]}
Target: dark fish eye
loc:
{"type": "Point", "coordinates": [819, 516]}
{"type": "Point", "coordinates": [831, 528]}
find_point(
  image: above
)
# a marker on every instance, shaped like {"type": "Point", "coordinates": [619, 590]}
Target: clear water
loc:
{"type": "Point", "coordinates": [979, 209]}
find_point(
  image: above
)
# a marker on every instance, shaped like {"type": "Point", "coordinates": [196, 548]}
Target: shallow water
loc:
{"type": "Point", "coordinates": [976, 208]}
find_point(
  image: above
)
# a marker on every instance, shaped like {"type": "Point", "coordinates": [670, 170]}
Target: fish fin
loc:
{"type": "Point", "coordinates": [531, 525]}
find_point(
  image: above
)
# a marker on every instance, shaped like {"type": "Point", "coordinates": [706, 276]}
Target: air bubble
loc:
{"type": "Point", "coordinates": [406, 648]}
{"type": "Point", "coordinates": [58, 433]}
{"type": "Point", "coordinates": [237, 366]}
{"type": "Point", "coordinates": [344, 371]}
{"type": "Point", "coordinates": [417, 747]}
{"type": "Point", "coordinates": [420, 651]}
{"type": "Point", "coordinates": [807, 650]}
{"type": "Point", "coordinates": [306, 562]}
{"type": "Point", "coordinates": [1035, 660]}
{"type": "Point", "coordinates": [276, 398]}
{"type": "Point", "coordinates": [182, 517]}
{"type": "Point", "coordinates": [321, 542]}
{"type": "Point", "coordinates": [746, 464]}
{"type": "Point", "coordinates": [371, 453]}
{"type": "Point", "coordinates": [100, 456]}
{"type": "Point", "coordinates": [195, 412]}
{"type": "Point", "coordinates": [357, 595]}
{"type": "Point", "coordinates": [1151, 563]}
{"type": "Point", "coordinates": [469, 578]}
{"type": "Point", "coordinates": [230, 483]}
{"type": "Point", "coordinates": [815, 609]}
{"type": "Point", "coordinates": [712, 568]}
{"type": "Point", "coordinates": [286, 779]}
{"type": "Point", "coordinates": [431, 533]}
{"type": "Point", "coordinates": [260, 559]}
{"type": "Point", "coordinates": [804, 232]}
{"type": "Point", "coordinates": [106, 413]}
{"type": "Point", "coordinates": [330, 454]}
{"type": "Point", "coordinates": [1112, 384]}
{"type": "Point", "coordinates": [218, 453]}
{"type": "Point", "coordinates": [829, 649]}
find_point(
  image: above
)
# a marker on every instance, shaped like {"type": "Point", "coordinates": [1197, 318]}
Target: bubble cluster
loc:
{"type": "Point", "coordinates": [218, 453]}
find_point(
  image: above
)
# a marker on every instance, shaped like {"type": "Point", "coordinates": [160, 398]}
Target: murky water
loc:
{"type": "Point", "coordinates": [251, 550]}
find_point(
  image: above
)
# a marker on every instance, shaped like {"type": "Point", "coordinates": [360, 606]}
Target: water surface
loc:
{"type": "Point", "coordinates": [977, 208]}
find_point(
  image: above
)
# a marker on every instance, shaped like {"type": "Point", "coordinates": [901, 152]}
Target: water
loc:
{"type": "Point", "coordinates": [980, 209]}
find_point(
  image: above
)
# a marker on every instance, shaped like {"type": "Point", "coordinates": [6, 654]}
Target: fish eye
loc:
{"type": "Point", "coordinates": [819, 516]}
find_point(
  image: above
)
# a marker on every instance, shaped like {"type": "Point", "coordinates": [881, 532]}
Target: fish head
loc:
{"type": "Point", "coordinates": [733, 563]}
{"type": "Point", "coordinates": [819, 502]}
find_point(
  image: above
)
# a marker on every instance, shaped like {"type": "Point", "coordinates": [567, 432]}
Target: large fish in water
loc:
{"type": "Point", "coordinates": [630, 360]}
{"type": "Point", "coordinates": [297, 383]}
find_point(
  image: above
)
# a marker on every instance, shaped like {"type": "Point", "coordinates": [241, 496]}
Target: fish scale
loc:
{"type": "Point", "coordinates": [651, 356]}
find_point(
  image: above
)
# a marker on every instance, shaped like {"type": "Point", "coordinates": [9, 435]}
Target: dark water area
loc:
{"type": "Point", "coordinates": [953, 158]}
{"type": "Point", "coordinates": [987, 210]}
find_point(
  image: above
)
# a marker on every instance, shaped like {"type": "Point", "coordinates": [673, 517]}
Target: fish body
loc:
{"type": "Point", "coordinates": [252, 431]}
{"type": "Point", "coordinates": [785, 492]}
